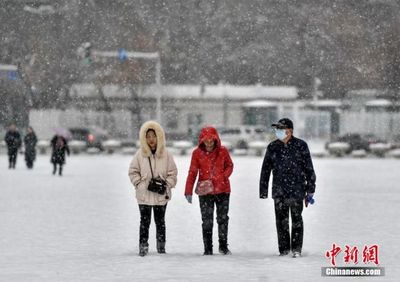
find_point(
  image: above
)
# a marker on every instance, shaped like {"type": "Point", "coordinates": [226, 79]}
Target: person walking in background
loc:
{"type": "Point", "coordinates": [59, 147]}
{"type": "Point", "coordinates": [153, 173]}
{"type": "Point", "coordinates": [30, 141]}
{"type": "Point", "coordinates": [13, 142]}
{"type": "Point", "coordinates": [289, 160]}
{"type": "Point", "coordinates": [213, 164]}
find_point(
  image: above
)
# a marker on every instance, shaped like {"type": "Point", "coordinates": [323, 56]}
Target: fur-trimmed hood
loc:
{"type": "Point", "coordinates": [145, 148]}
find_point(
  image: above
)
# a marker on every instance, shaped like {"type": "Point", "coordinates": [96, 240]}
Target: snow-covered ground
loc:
{"type": "Point", "coordinates": [84, 226]}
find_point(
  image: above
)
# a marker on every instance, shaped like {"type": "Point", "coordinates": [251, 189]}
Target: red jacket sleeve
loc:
{"type": "Point", "coordinates": [228, 164]}
{"type": "Point", "coordinates": [192, 175]}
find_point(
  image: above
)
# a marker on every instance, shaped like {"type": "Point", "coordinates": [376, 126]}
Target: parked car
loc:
{"type": "Point", "coordinates": [240, 136]}
{"type": "Point", "coordinates": [93, 136]}
{"type": "Point", "coordinates": [395, 142]}
{"type": "Point", "coordinates": [356, 141]}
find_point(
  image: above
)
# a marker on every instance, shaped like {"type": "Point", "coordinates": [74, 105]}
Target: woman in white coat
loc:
{"type": "Point", "coordinates": [152, 160]}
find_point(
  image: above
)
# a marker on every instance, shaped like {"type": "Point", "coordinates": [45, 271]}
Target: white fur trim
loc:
{"type": "Point", "coordinates": [146, 151]}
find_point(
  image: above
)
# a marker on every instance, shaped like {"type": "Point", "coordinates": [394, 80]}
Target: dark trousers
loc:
{"type": "Point", "coordinates": [294, 240]}
{"type": "Point", "coordinates": [29, 163]}
{"type": "Point", "coordinates": [12, 158]}
{"type": "Point", "coordinates": [29, 160]}
{"type": "Point", "coordinates": [145, 219]}
{"type": "Point", "coordinates": [59, 169]}
{"type": "Point", "coordinates": [207, 203]}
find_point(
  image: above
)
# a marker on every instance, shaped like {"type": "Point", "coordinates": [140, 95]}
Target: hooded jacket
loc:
{"type": "Point", "coordinates": [216, 165]}
{"type": "Point", "coordinates": [162, 163]}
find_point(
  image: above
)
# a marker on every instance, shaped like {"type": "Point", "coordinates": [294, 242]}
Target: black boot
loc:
{"type": "Point", "coordinates": [60, 171]}
{"type": "Point", "coordinates": [161, 247]}
{"type": "Point", "coordinates": [29, 164]}
{"type": "Point", "coordinates": [54, 169]}
{"type": "Point", "coordinates": [143, 249]}
{"type": "Point", "coordinates": [223, 249]}
{"type": "Point", "coordinates": [208, 246]}
{"type": "Point", "coordinates": [208, 251]}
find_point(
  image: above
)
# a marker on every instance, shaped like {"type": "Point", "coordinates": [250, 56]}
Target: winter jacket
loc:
{"type": "Point", "coordinates": [13, 141]}
{"type": "Point", "coordinates": [30, 141]}
{"type": "Point", "coordinates": [292, 169]}
{"type": "Point", "coordinates": [60, 147]}
{"type": "Point", "coordinates": [216, 165]}
{"type": "Point", "coordinates": [162, 163]}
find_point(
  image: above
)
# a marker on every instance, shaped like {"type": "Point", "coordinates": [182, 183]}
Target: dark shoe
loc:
{"type": "Point", "coordinates": [143, 249]}
{"type": "Point", "coordinates": [296, 254]}
{"type": "Point", "coordinates": [285, 253]}
{"type": "Point", "coordinates": [208, 244]}
{"type": "Point", "coordinates": [224, 250]}
{"type": "Point", "coordinates": [208, 248]}
{"type": "Point", "coordinates": [208, 252]}
{"type": "Point", "coordinates": [161, 247]}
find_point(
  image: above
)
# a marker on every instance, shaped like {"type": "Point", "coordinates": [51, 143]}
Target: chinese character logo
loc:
{"type": "Point", "coordinates": [351, 253]}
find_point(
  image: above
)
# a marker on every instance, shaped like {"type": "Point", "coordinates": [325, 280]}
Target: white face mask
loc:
{"type": "Point", "coordinates": [280, 134]}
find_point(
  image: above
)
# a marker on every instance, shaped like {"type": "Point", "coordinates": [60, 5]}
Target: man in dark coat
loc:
{"type": "Point", "coordinates": [289, 160]}
{"type": "Point", "coordinates": [30, 141]}
{"type": "Point", "coordinates": [13, 141]}
{"type": "Point", "coordinates": [59, 146]}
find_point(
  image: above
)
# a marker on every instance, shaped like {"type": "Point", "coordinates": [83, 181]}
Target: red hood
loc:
{"type": "Point", "coordinates": [209, 133]}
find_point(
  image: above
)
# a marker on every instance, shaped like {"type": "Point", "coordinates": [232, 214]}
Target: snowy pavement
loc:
{"type": "Point", "coordinates": [84, 226]}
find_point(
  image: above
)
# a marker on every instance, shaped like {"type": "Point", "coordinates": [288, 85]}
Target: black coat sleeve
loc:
{"type": "Point", "coordinates": [19, 140]}
{"type": "Point", "coordinates": [7, 138]}
{"type": "Point", "coordinates": [309, 170]}
{"type": "Point", "coordinates": [265, 173]}
{"type": "Point", "coordinates": [35, 140]}
{"type": "Point", "coordinates": [67, 148]}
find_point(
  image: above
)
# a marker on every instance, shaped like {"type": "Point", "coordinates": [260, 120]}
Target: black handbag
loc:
{"type": "Point", "coordinates": [156, 185]}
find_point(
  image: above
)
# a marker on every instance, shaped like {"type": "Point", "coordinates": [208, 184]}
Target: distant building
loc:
{"type": "Point", "coordinates": [371, 111]}
{"type": "Point", "coordinates": [185, 108]}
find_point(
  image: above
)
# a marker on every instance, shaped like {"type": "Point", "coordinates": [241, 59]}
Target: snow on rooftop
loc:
{"type": "Point", "coordinates": [259, 104]}
{"type": "Point", "coordinates": [326, 103]}
{"type": "Point", "coordinates": [378, 103]}
{"type": "Point", "coordinates": [365, 93]}
{"type": "Point", "coordinates": [192, 91]}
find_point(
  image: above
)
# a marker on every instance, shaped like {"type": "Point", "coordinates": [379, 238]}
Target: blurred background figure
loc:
{"type": "Point", "coordinates": [30, 141]}
{"type": "Point", "coordinates": [59, 146]}
{"type": "Point", "coordinates": [13, 141]}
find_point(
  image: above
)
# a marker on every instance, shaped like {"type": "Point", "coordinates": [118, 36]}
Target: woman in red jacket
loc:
{"type": "Point", "coordinates": [212, 163]}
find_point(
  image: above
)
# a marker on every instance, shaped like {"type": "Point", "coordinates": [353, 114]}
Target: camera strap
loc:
{"type": "Point", "coordinates": [151, 169]}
